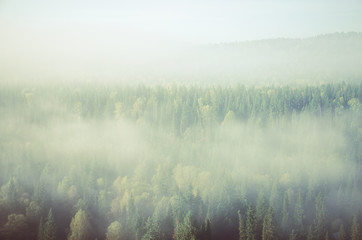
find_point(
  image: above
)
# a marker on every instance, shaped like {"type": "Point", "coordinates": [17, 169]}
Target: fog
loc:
{"type": "Point", "coordinates": [162, 42]}
{"type": "Point", "coordinates": [110, 58]}
{"type": "Point", "coordinates": [203, 153]}
{"type": "Point", "coordinates": [193, 120]}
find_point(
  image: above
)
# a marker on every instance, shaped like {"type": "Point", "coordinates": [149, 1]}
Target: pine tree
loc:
{"type": "Point", "coordinates": [114, 231]}
{"type": "Point", "coordinates": [186, 115]}
{"type": "Point", "coordinates": [355, 229]}
{"type": "Point", "coordinates": [185, 230]}
{"type": "Point", "coordinates": [11, 195]}
{"type": "Point", "coordinates": [275, 200]}
{"type": "Point", "coordinates": [153, 230]}
{"type": "Point", "coordinates": [285, 213]}
{"type": "Point", "coordinates": [242, 232]}
{"type": "Point", "coordinates": [269, 226]}
{"type": "Point", "coordinates": [41, 196]}
{"type": "Point", "coordinates": [260, 208]}
{"type": "Point", "coordinates": [299, 213]}
{"type": "Point", "coordinates": [250, 224]}
{"type": "Point", "coordinates": [50, 227]}
{"type": "Point", "coordinates": [80, 226]}
{"type": "Point", "coordinates": [260, 211]}
{"type": "Point", "coordinates": [319, 224]}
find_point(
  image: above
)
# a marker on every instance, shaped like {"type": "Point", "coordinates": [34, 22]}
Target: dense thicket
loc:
{"type": "Point", "coordinates": [181, 162]}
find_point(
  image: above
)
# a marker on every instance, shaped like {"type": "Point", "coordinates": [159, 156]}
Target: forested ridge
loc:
{"type": "Point", "coordinates": [93, 161]}
{"type": "Point", "coordinates": [327, 58]}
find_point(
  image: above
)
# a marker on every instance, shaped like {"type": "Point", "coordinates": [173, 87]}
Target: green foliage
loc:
{"type": "Point", "coordinates": [242, 230]}
{"type": "Point", "coordinates": [178, 162]}
{"type": "Point", "coordinates": [114, 231]}
{"type": "Point", "coordinates": [153, 230]}
{"type": "Point", "coordinates": [299, 213]}
{"type": "Point", "coordinates": [15, 228]}
{"type": "Point", "coordinates": [80, 227]}
{"type": "Point", "coordinates": [319, 224]}
{"type": "Point", "coordinates": [269, 231]}
{"type": "Point", "coordinates": [47, 230]}
{"type": "Point", "coordinates": [250, 224]}
{"type": "Point", "coordinates": [49, 227]}
{"type": "Point", "coordinates": [11, 196]}
{"type": "Point", "coordinates": [185, 230]}
{"type": "Point", "coordinates": [285, 213]}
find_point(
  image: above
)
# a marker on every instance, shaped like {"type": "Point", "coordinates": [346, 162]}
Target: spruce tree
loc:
{"type": "Point", "coordinates": [50, 227]}
{"type": "Point", "coordinates": [275, 199]}
{"type": "Point", "coordinates": [242, 232]}
{"type": "Point", "coordinates": [355, 229]}
{"type": "Point", "coordinates": [114, 231]}
{"type": "Point", "coordinates": [285, 213]}
{"type": "Point", "coordinates": [299, 213]}
{"type": "Point", "coordinates": [11, 195]}
{"type": "Point", "coordinates": [269, 232]}
{"type": "Point", "coordinates": [153, 230]}
{"type": "Point", "coordinates": [250, 224]}
{"type": "Point", "coordinates": [80, 227]}
{"type": "Point", "coordinates": [260, 211]}
{"type": "Point", "coordinates": [185, 230]}
{"type": "Point", "coordinates": [319, 224]}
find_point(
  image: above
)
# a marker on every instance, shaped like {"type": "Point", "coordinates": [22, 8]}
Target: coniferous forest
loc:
{"type": "Point", "coordinates": [180, 120]}
{"type": "Point", "coordinates": [181, 161]}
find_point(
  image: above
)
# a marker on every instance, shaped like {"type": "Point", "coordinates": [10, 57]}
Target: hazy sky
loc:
{"type": "Point", "coordinates": [79, 39]}
{"type": "Point", "coordinates": [186, 21]}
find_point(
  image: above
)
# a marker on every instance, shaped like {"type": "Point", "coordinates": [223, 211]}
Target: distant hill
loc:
{"type": "Point", "coordinates": [324, 58]}
{"type": "Point", "coordinates": [328, 57]}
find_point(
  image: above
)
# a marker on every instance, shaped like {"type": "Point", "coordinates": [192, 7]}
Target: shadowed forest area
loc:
{"type": "Point", "coordinates": [178, 161]}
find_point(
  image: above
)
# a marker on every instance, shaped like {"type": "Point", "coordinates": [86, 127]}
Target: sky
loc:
{"type": "Point", "coordinates": [184, 21]}
{"type": "Point", "coordinates": [79, 38]}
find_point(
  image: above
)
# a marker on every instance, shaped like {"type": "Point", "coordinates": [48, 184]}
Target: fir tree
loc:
{"type": "Point", "coordinates": [50, 227]}
{"type": "Point", "coordinates": [185, 230]}
{"type": "Point", "coordinates": [153, 230]}
{"type": "Point", "coordinates": [80, 226]}
{"type": "Point", "coordinates": [355, 229]}
{"type": "Point", "coordinates": [319, 224]}
{"type": "Point", "coordinates": [269, 226]}
{"type": "Point", "coordinates": [250, 224]}
{"type": "Point", "coordinates": [299, 213]}
{"type": "Point", "coordinates": [114, 231]}
{"type": "Point", "coordinates": [242, 232]}
{"type": "Point", "coordinates": [285, 213]}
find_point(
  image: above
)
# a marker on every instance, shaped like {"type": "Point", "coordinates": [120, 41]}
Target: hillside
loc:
{"type": "Point", "coordinates": [322, 58]}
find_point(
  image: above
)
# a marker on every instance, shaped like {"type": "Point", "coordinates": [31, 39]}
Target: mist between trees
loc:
{"type": "Point", "coordinates": [180, 162]}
